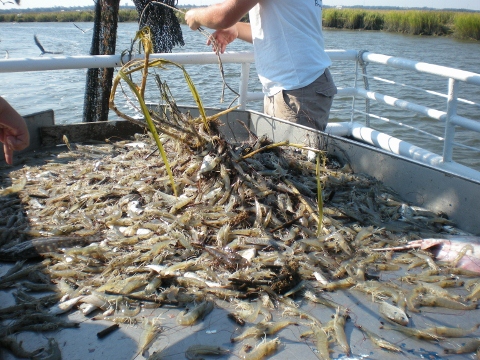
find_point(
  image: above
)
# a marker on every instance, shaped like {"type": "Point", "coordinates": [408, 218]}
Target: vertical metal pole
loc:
{"type": "Point", "coordinates": [449, 127]}
{"type": "Point", "coordinates": [243, 91]}
{"type": "Point", "coordinates": [354, 96]}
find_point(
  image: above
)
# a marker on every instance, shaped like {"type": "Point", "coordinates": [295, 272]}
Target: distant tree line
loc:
{"type": "Point", "coordinates": [460, 24]}
{"type": "Point", "coordinates": [70, 15]}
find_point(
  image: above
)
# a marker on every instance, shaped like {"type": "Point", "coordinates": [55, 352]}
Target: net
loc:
{"type": "Point", "coordinates": [163, 23]}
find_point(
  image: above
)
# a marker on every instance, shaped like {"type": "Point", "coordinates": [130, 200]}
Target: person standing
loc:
{"type": "Point", "coordinates": [289, 49]}
{"type": "Point", "coordinates": [13, 130]}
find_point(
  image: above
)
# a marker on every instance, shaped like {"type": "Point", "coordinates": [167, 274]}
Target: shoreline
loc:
{"type": "Point", "coordinates": [462, 25]}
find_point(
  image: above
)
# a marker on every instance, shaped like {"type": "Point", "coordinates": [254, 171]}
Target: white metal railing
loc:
{"type": "Point", "coordinates": [449, 117]}
{"type": "Point", "coordinates": [110, 61]}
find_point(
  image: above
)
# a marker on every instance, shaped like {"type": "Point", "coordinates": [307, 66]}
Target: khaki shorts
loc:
{"type": "Point", "coordinates": [308, 106]}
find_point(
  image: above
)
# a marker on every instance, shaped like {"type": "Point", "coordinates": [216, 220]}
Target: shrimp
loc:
{"type": "Point", "coordinates": [150, 331]}
{"type": "Point", "coordinates": [469, 347]}
{"type": "Point", "coordinates": [474, 294]}
{"type": "Point", "coordinates": [432, 300]}
{"type": "Point", "coordinates": [363, 234]}
{"type": "Point", "coordinates": [339, 328]}
{"type": "Point", "coordinates": [264, 349]}
{"type": "Point", "coordinates": [293, 311]}
{"type": "Point", "coordinates": [340, 284]}
{"type": "Point", "coordinates": [412, 299]}
{"type": "Point", "coordinates": [438, 290]}
{"type": "Point", "coordinates": [229, 258]}
{"type": "Point", "coordinates": [19, 186]}
{"type": "Point", "coordinates": [296, 288]}
{"type": "Point", "coordinates": [386, 267]}
{"type": "Point", "coordinates": [321, 342]}
{"type": "Point", "coordinates": [428, 259]}
{"type": "Point", "coordinates": [379, 341]}
{"type": "Point", "coordinates": [317, 298]}
{"type": "Point", "coordinates": [449, 332]}
{"type": "Point", "coordinates": [419, 334]}
{"type": "Point", "coordinates": [225, 293]}
{"type": "Point", "coordinates": [263, 328]}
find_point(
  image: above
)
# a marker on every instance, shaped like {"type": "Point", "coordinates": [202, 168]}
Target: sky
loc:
{"type": "Point", "coordinates": [438, 4]}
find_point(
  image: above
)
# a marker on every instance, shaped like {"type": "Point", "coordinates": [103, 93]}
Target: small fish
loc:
{"type": "Point", "coordinates": [65, 306]}
{"type": "Point", "coordinates": [194, 352]}
{"type": "Point", "coordinates": [393, 313]}
{"type": "Point", "coordinates": [187, 318]}
{"type": "Point", "coordinates": [463, 251]}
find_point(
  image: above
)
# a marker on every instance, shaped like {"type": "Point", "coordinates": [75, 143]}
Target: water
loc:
{"type": "Point", "coordinates": [63, 91]}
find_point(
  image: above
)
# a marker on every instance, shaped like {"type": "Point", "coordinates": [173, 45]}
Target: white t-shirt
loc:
{"type": "Point", "coordinates": [288, 43]}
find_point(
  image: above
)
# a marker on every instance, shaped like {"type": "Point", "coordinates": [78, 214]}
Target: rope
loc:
{"type": "Point", "coordinates": [363, 65]}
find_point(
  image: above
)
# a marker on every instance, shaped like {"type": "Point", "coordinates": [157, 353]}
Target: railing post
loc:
{"type": "Point", "coordinates": [449, 127]}
{"type": "Point", "coordinates": [354, 98]}
{"type": "Point", "coordinates": [243, 91]}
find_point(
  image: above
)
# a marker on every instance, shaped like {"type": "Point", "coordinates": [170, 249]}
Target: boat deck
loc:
{"type": "Point", "coordinates": [218, 329]}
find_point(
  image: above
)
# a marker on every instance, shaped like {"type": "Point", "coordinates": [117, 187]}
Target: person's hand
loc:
{"type": "Point", "coordinates": [221, 38]}
{"type": "Point", "coordinates": [190, 18]}
{"type": "Point", "coordinates": [14, 138]}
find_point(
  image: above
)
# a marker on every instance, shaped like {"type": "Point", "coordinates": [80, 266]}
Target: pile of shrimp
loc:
{"type": "Point", "coordinates": [242, 229]}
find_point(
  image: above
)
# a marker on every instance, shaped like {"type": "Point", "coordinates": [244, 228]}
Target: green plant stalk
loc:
{"type": "Point", "coordinates": [193, 90]}
{"type": "Point", "coordinates": [190, 84]}
{"type": "Point", "coordinates": [151, 127]}
{"type": "Point", "coordinates": [266, 147]}
{"type": "Point", "coordinates": [319, 197]}
{"type": "Point", "coordinates": [145, 37]}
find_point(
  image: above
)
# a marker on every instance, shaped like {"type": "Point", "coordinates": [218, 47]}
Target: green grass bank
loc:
{"type": "Point", "coordinates": [461, 25]}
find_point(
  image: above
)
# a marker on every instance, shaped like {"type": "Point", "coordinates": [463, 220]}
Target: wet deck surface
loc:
{"type": "Point", "coordinates": [217, 329]}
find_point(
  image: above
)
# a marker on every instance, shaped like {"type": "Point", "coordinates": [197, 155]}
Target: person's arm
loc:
{"type": "Point", "coordinates": [223, 37]}
{"type": "Point", "coordinates": [219, 16]}
{"type": "Point", "coordinates": [223, 17]}
{"type": "Point", "coordinates": [13, 130]}
{"type": "Point", "coordinates": [244, 31]}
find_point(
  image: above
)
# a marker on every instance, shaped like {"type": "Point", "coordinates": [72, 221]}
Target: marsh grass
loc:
{"type": "Point", "coordinates": [419, 22]}
{"type": "Point", "coordinates": [65, 16]}
{"type": "Point", "coordinates": [412, 22]}
{"type": "Point", "coordinates": [467, 26]}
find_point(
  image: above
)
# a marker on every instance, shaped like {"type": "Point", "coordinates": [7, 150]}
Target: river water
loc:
{"type": "Point", "coordinates": [63, 91]}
